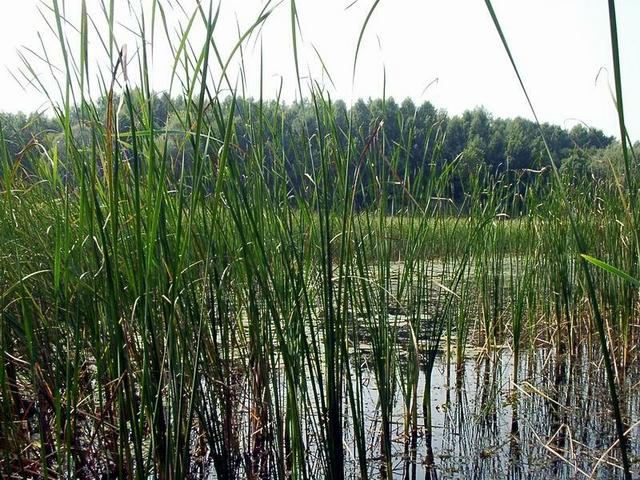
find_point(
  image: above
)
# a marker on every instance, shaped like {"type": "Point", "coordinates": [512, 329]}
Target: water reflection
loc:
{"type": "Point", "coordinates": [553, 423]}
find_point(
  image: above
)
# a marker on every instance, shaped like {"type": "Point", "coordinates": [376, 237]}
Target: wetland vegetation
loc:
{"type": "Point", "coordinates": [212, 286]}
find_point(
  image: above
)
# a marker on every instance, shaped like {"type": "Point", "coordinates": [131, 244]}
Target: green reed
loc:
{"type": "Point", "coordinates": [205, 296]}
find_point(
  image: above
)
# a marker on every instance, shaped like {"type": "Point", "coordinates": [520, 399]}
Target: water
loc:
{"type": "Point", "coordinates": [555, 423]}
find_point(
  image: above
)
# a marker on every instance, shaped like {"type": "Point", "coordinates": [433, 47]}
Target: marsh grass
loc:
{"type": "Point", "coordinates": [175, 305]}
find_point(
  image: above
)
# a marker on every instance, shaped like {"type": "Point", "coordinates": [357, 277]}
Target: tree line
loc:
{"type": "Point", "coordinates": [420, 135]}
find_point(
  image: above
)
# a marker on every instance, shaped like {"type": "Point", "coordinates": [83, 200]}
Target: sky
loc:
{"type": "Point", "coordinates": [446, 52]}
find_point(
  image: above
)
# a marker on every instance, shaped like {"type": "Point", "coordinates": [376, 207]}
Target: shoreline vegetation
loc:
{"type": "Point", "coordinates": [209, 286]}
{"type": "Point", "coordinates": [480, 140]}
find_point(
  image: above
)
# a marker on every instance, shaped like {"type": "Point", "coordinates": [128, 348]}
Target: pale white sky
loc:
{"type": "Point", "coordinates": [559, 45]}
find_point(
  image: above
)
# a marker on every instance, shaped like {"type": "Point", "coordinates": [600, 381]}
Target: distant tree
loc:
{"type": "Point", "coordinates": [428, 137]}
{"type": "Point", "coordinates": [455, 138]}
{"type": "Point", "coordinates": [584, 137]}
{"type": "Point", "coordinates": [361, 122]}
{"type": "Point", "coordinates": [522, 145]}
{"type": "Point", "coordinates": [471, 161]}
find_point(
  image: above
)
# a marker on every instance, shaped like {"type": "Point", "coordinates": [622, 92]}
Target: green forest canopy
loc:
{"type": "Point", "coordinates": [474, 139]}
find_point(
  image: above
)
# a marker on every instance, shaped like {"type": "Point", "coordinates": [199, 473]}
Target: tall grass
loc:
{"type": "Point", "coordinates": [190, 301]}
{"type": "Point", "coordinates": [578, 236]}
